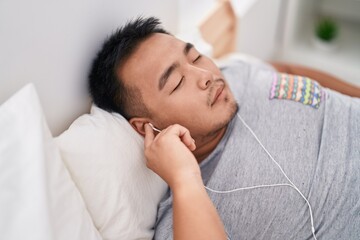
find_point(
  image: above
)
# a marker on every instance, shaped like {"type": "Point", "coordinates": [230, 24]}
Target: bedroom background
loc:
{"type": "Point", "coordinates": [89, 181]}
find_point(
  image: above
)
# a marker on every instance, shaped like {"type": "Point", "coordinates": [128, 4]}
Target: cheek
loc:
{"type": "Point", "coordinates": [184, 104]}
{"type": "Point", "coordinates": [180, 109]}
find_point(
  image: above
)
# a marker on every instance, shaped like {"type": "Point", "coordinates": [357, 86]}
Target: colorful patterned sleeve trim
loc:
{"type": "Point", "coordinates": [296, 88]}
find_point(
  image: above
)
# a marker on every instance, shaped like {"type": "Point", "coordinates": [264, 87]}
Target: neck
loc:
{"type": "Point", "coordinates": [205, 145]}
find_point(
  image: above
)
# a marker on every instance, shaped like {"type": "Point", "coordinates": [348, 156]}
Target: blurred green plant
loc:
{"type": "Point", "coordinates": [326, 29]}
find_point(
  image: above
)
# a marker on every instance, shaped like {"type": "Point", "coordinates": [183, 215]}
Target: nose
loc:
{"type": "Point", "coordinates": [205, 78]}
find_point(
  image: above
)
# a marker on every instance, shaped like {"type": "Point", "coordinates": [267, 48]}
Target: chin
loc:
{"type": "Point", "coordinates": [227, 115]}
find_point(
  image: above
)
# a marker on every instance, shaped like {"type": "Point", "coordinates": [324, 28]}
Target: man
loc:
{"type": "Point", "coordinates": [149, 76]}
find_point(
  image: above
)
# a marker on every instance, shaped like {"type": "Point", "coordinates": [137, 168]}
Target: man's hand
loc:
{"type": "Point", "coordinates": [169, 154]}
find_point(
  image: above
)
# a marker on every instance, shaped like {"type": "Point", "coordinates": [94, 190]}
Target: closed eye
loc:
{"type": "Point", "coordinates": [196, 59]}
{"type": "Point", "coordinates": [179, 84]}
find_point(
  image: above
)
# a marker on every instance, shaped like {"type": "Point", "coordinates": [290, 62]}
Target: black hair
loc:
{"type": "Point", "coordinates": [106, 88]}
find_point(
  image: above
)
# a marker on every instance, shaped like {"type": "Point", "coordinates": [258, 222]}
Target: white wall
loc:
{"type": "Point", "coordinates": [191, 12]}
{"type": "Point", "coordinates": [297, 15]}
{"type": "Point", "coordinates": [52, 44]}
{"type": "Point", "coordinates": [258, 27]}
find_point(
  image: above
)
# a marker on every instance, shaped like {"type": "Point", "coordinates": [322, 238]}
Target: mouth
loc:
{"type": "Point", "coordinates": [218, 92]}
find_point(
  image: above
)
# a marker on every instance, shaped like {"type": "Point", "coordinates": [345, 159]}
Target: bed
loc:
{"type": "Point", "coordinates": [91, 182]}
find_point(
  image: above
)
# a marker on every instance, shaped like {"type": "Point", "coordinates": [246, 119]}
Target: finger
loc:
{"type": "Point", "coordinates": [185, 136]}
{"type": "Point", "coordinates": [149, 135]}
{"type": "Point", "coordinates": [188, 141]}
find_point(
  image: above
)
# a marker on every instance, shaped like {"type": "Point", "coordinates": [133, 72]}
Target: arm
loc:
{"type": "Point", "coordinates": [168, 154]}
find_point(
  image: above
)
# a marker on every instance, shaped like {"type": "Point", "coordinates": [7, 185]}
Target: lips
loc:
{"type": "Point", "coordinates": [217, 94]}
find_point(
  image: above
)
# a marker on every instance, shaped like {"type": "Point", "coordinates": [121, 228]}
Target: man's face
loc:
{"type": "Point", "coordinates": [179, 85]}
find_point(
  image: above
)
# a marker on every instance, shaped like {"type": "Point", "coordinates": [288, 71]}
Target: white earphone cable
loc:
{"type": "Point", "coordinates": [270, 185]}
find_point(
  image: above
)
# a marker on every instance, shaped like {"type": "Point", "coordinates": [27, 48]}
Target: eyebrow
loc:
{"type": "Point", "coordinates": [166, 74]}
{"type": "Point", "coordinates": [187, 48]}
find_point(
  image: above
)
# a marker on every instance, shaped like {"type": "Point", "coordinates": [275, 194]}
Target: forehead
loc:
{"type": "Point", "coordinates": [150, 59]}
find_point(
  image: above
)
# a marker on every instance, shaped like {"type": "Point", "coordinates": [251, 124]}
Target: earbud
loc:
{"type": "Point", "coordinates": [154, 128]}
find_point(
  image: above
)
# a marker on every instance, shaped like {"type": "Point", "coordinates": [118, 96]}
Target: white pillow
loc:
{"type": "Point", "coordinates": [38, 199]}
{"type": "Point", "coordinates": [105, 158]}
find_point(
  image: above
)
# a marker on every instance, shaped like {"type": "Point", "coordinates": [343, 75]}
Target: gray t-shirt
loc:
{"type": "Point", "coordinates": [312, 132]}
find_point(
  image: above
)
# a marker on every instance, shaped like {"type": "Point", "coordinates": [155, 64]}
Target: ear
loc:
{"type": "Point", "coordinates": [138, 124]}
